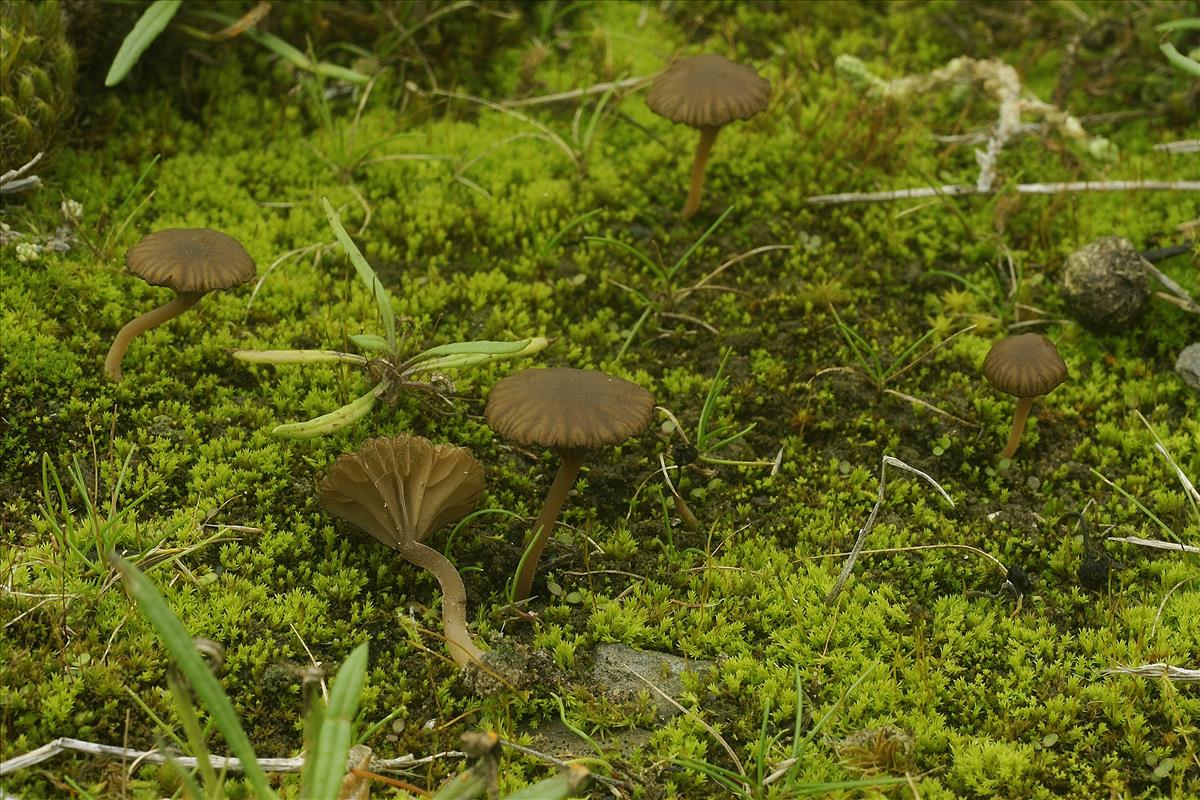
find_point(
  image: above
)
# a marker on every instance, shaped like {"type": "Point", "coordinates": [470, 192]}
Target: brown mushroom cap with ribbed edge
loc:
{"type": "Point", "coordinates": [400, 489]}
{"type": "Point", "coordinates": [708, 91]}
{"type": "Point", "coordinates": [564, 408]}
{"type": "Point", "coordinates": [1027, 365]}
{"type": "Point", "coordinates": [190, 260]}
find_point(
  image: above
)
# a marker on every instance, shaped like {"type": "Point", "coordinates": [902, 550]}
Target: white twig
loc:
{"type": "Point", "coordinates": [65, 744]}
{"type": "Point", "coordinates": [1185, 300]}
{"type": "Point", "coordinates": [888, 461]}
{"type": "Point", "coordinates": [13, 175]}
{"type": "Point", "coordinates": [599, 88]}
{"type": "Point", "coordinates": [1188, 487]}
{"type": "Point", "coordinates": [1156, 544]}
{"type": "Point", "coordinates": [1158, 670]}
{"type": "Point", "coordinates": [957, 190]}
{"type": "Point", "coordinates": [1183, 146]}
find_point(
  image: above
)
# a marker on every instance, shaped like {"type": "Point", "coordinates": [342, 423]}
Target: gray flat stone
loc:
{"type": "Point", "coordinates": [614, 674]}
{"type": "Point", "coordinates": [1188, 365]}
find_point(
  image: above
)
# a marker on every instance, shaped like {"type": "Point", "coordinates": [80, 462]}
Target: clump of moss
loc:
{"type": "Point", "coordinates": [37, 81]}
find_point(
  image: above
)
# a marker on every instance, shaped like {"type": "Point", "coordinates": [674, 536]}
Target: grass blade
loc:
{"type": "Point", "coordinates": [183, 651]}
{"type": "Point", "coordinates": [152, 22]}
{"type": "Point", "coordinates": [568, 783]}
{"type": "Point", "coordinates": [382, 299]}
{"type": "Point", "coordinates": [688, 253]}
{"type": "Point", "coordinates": [628, 248]}
{"type": "Point", "coordinates": [325, 767]}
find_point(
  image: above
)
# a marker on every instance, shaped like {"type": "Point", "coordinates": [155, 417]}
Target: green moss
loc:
{"type": "Point", "coordinates": [460, 209]}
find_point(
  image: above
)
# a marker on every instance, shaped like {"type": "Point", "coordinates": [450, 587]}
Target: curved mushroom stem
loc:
{"type": "Point", "coordinates": [1024, 404]}
{"type": "Point", "coordinates": [139, 325]}
{"type": "Point", "coordinates": [454, 601]}
{"type": "Point", "coordinates": [568, 470]}
{"type": "Point", "coordinates": [708, 136]}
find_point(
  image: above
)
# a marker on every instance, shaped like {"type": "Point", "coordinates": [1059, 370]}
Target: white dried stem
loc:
{"type": "Point", "coordinates": [888, 461]}
{"type": "Point", "coordinates": [1158, 670]}
{"type": "Point", "coordinates": [956, 190]}
{"type": "Point", "coordinates": [1156, 544]}
{"type": "Point", "coordinates": [67, 744]}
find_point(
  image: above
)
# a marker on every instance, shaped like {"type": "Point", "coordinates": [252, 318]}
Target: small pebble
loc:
{"type": "Point", "coordinates": [1188, 365]}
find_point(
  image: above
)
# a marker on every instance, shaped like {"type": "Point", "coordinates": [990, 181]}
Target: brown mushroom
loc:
{"type": "Point", "coordinates": [401, 489]}
{"type": "Point", "coordinates": [1026, 366]}
{"type": "Point", "coordinates": [190, 261]}
{"type": "Point", "coordinates": [570, 411]}
{"type": "Point", "coordinates": [707, 92]}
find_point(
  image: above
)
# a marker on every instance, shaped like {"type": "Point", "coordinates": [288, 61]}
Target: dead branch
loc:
{"type": "Point", "coordinates": [957, 190]}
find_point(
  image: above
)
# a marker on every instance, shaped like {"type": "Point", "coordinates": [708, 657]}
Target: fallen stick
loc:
{"type": "Point", "coordinates": [1155, 544]}
{"type": "Point", "coordinates": [957, 190]}
{"type": "Point", "coordinates": [558, 97]}
{"type": "Point", "coordinates": [1158, 670]}
{"type": "Point", "coordinates": [888, 461]}
{"type": "Point", "coordinates": [1183, 146]}
{"type": "Point", "coordinates": [65, 744]}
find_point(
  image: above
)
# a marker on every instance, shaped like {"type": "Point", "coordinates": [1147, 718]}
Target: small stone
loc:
{"type": "Point", "coordinates": [1105, 284]}
{"type": "Point", "coordinates": [617, 667]}
{"type": "Point", "coordinates": [1188, 365]}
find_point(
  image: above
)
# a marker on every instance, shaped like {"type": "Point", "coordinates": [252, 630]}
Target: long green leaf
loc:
{"type": "Point", "coordinates": [179, 644]}
{"type": "Point", "coordinates": [371, 342]}
{"type": "Point", "coordinates": [334, 737]}
{"type": "Point", "coordinates": [382, 299]}
{"type": "Point", "coordinates": [297, 357]}
{"type": "Point", "coordinates": [333, 421]}
{"type": "Point", "coordinates": [152, 22]}
{"type": "Point", "coordinates": [631, 250]}
{"type": "Point", "coordinates": [470, 354]}
{"type": "Point", "coordinates": [1185, 63]}
{"type": "Point", "coordinates": [703, 238]}
{"type": "Point", "coordinates": [1187, 23]}
{"type": "Point", "coordinates": [290, 53]}
{"type": "Point", "coordinates": [568, 783]}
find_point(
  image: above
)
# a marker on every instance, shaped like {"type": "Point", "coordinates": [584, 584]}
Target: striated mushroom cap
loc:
{"type": "Point", "coordinates": [564, 408]}
{"type": "Point", "coordinates": [1027, 365]}
{"type": "Point", "coordinates": [190, 260]}
{"type": "Point", "coordinates": [400, 489]}
{"type": "Point", "coordinates": [708, 91]}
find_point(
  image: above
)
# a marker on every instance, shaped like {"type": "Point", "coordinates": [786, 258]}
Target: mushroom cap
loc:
{"type": "Point", "coordinates": [190, 260]}
{"type": "Point", "coordinates": [565, 409]}
{"type": "Point", "coordinates": [1027, 365]}
{"type": "Point", "coordinates": [401, 488]}
{"type": "Point", "coordinates": [708, 91]}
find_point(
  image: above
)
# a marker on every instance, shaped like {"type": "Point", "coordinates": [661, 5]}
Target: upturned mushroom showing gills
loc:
{"type": "Point", "coordinates": [570, 411]}
{"type": "Point", "coordinates": [189, 261]}
{"type": "Point", "coordinates": [1026, 366]}
{"type": "Point", "coordinates": [401, 489]}
{"type": "Point", "coordinates": [707, 92]}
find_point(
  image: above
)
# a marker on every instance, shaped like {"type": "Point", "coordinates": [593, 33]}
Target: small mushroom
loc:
{"type": "Point", "coordinates": [707, 92]}
{"type": "Point", "coordinates": [570, 411]}
{"type": "Point", "coordinates": [191, 262]}
{"type": "Point", "coordinates": [1026, 366]}
{"type": "Point", "coordinates": [401, 489]}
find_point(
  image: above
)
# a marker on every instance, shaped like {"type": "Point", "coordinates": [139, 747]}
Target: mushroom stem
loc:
{"type": "Point", "coordinates": [564, 479]}
{"type": "Point", "coordinates": [180, 303]}
{"type": "Point", "coordinates": [708, 136]}
{"type": "Point", "coordinates": [1024, 404]}
{"type": "Point", "coordinates": [454, 601]}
